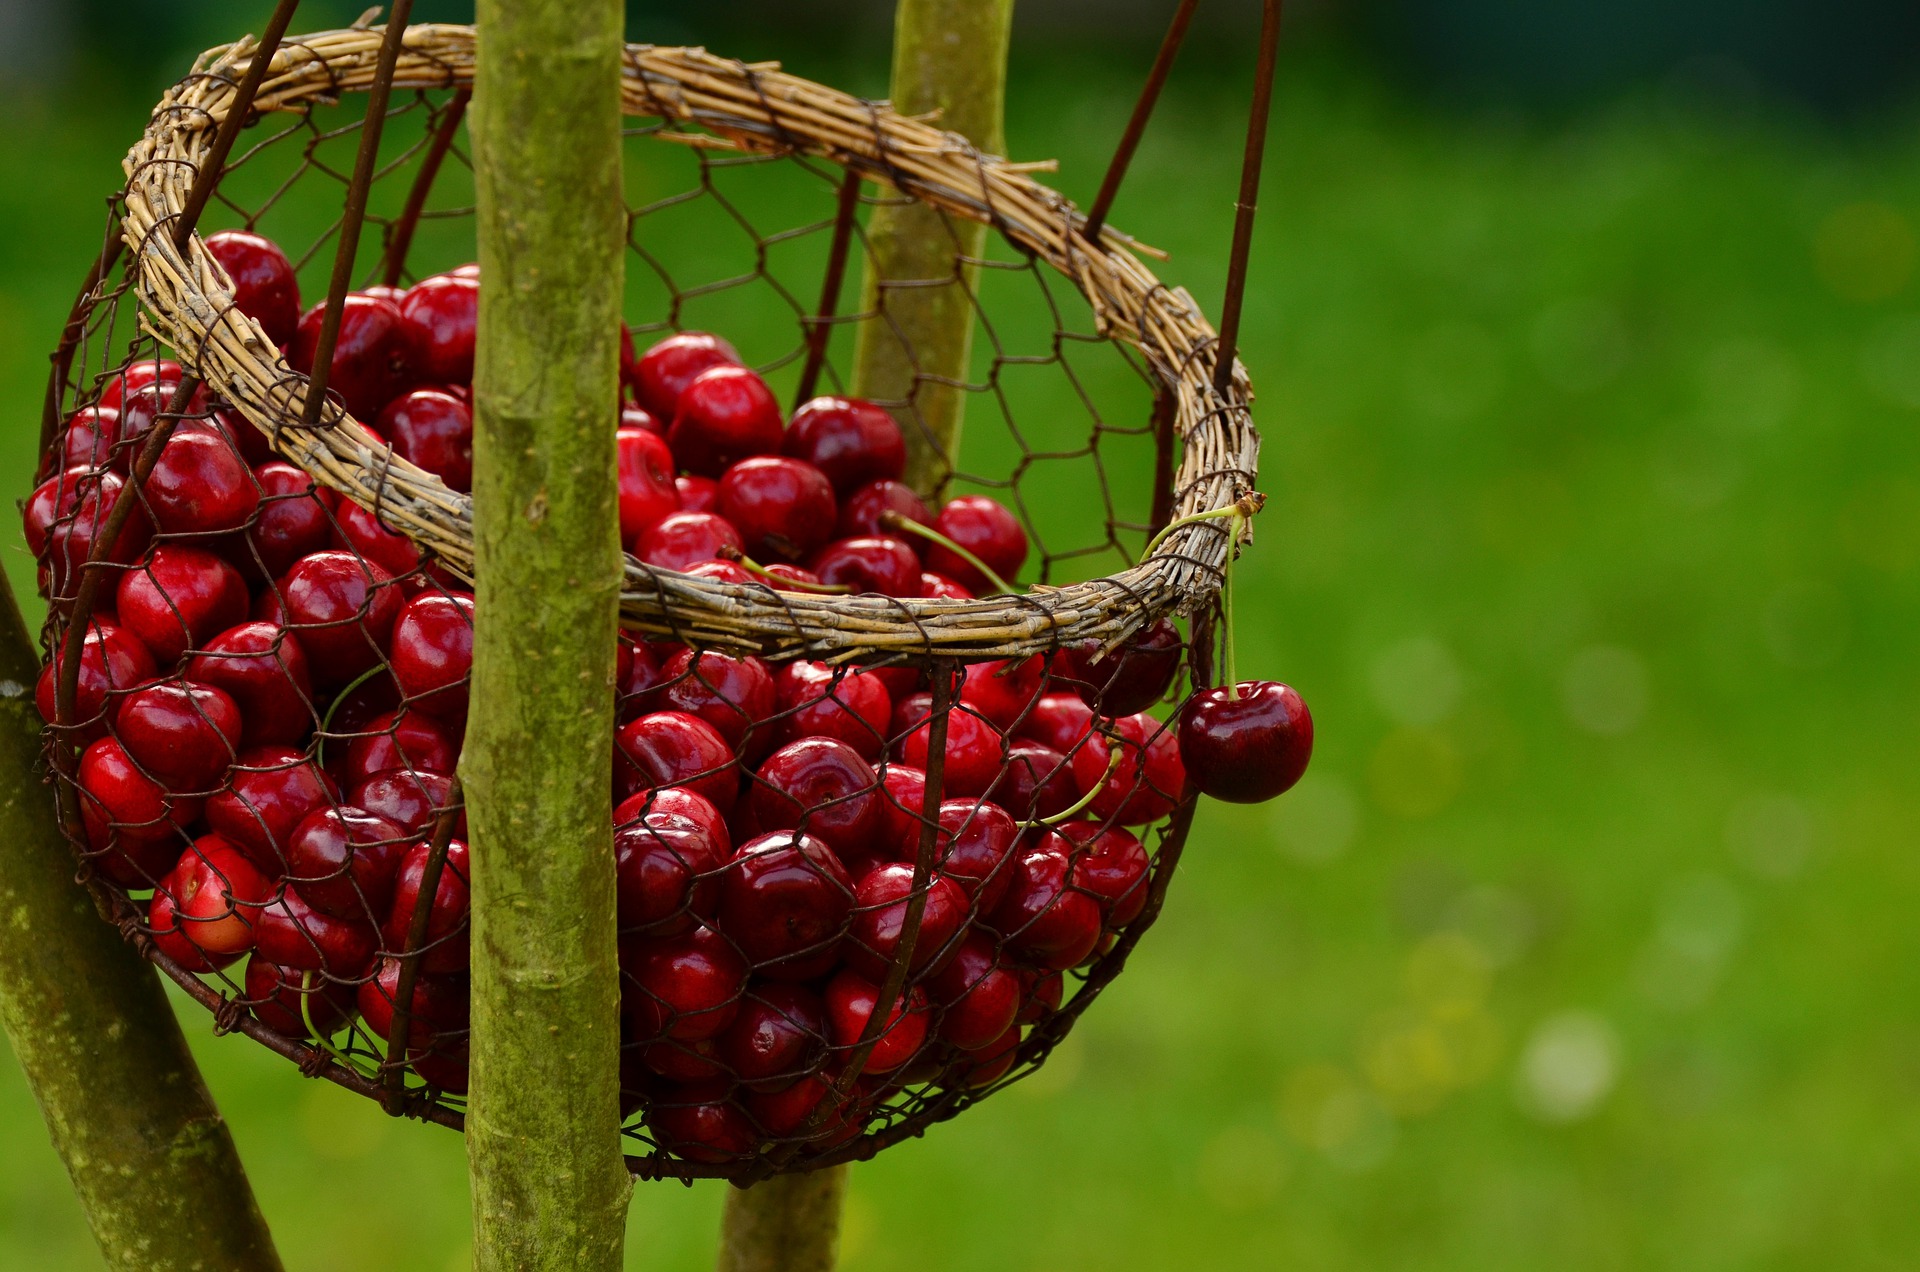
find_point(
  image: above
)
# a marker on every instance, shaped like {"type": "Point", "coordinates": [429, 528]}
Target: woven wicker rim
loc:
{"type": "Point", "coordinates": [188, 303]}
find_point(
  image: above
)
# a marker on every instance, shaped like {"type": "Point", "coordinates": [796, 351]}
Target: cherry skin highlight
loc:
{"type": "Point", "coordinates": [663, 372]}
{"type": "Point", "coordinates": [1250, 748]}
{"type": "Point", "coordinates": [726, 415]}
{"type": "Point", "coordinates": [785, 902]}
{"type": "Point", "coordinates": [851, 440]}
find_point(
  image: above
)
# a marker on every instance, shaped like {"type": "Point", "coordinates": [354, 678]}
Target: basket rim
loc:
{"type": "Point", "coordinates": [187, 301]}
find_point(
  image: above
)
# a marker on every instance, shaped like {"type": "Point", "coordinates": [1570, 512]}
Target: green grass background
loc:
{"type": "Point", "coordinates": [1593, 448]}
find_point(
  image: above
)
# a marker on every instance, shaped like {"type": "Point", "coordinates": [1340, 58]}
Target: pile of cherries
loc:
{"type": "Point", "coordinates": [272, 695]}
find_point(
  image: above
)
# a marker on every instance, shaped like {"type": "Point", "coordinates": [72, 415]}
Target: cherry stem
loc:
{"type": "Point", "coordinates": [1226, 612]}
{"type": "Point", "coordinates": [1243, 509]}
{"type": "Point", "coordinates": [338, 1056]}
{"type": "Point", "coordinates": [779, 582]}
{"type": "Point", "coordinates": [895, 521]}
{"type": "Point", "coordinates": [326, 721]}
{"type": "Point", "coordinates": [1079, 805]}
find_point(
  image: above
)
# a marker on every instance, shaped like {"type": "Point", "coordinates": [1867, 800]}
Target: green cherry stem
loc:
{"type": "Point", "coordinates": [340, 1057]}
{"type": "Point", "coordinates": [777, 582]}
{"type": "Point", "coordinates": [1080, 805]}
{"type": "Point", "coordinates": [894, 521]}
{"type": "Point", "coordinates": [326, 721]}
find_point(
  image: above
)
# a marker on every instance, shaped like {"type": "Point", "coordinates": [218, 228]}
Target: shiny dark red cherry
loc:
{"type": "Point", "coordinates": [903, 805]}
{"type": "Point", "coordinates": [647, 493]}
{"type": "Point", "coordinates": [291, 523]}
{"type": "Point", "coordinates": [447, 945]}
{"type": "Point", "coordinates": [283, 998]}
{"type": "Point", "coordinates": [726, 415]}
{"type": "Point", "coordinates": [784, 508]}
{"type": "Point", "coordinates": [721, 572]}
{"type": "Point", "coordinates": [734, 694]}
{"type": "Point", "coordinates": [687, 538]}
{"type": "Point", "coordinates": [263, 668]}
{"type": "Point", "coordinates": [880, 902]}
{"type": "Point", "coordinates": [940, 587]}
{"type": "Point", "coordinates": [215, 894]}
{"type": "Point", "coordinates": [684, 987]}
{"type": "Point", "coordinates": [342, 861]}
{"type": "Point", "coordinates": [639, 417]}
{"type": "Point", "coordinates": [784, 1113]}
{"type": "Point", "coordinates": [172, 936]}
{"type": "Point", "coordinates": [677, 801]}
{"type": "Point", "coordinates": [432, 429]}
{"type": "Point", "coordinates": [91, 433]}
{"type": "Point", "coordinates": [845, 704]}
{"type": "Point", "coordinates": [992, 1062]}
{"type": "Point", "coordinates": [978, 998]}
{"type": "Point", "coordinates": [68, 513]}
{"type": "Point", "coordinates": [1005, 689]}
{"type": "Point", "coordinates": [698, 1121]}
{"type": "Point", "coordinates": [1038, 782]}
{"type": "Point", "coordinates": [433, 653]}
{"type": "Point", "coordinates": [142, 408]}
{"type": "Point", "coordinates": [680, 1061]}
{"type": "Point", "coordinates": [1043, 916]}
{"type": "Point", "coordinates": [877, 564]}
{"type": "Point", "coordinates": [200, 485]}
{"type": "Point", "coordinates": [1041, 992]}
{"type": "Point", "coordinates": [665, 872]}
{"type": "Point", "coordinates": [971, 756]}
{"type": "Point", "coordinates": [663, 372]}
{"type": "Point", "coordinates": [640, 676]}
{"type": "Point", "coordinates": [400, 739]}
{"type": "Point", "coordinates": [111, 660]}
{"type": "Point", "coordinates": [442, 315]}
{"type": "Point", "coordinates": [777, 1036]}
{"type": "Point", "coordinates": [411, 800]}
{"type": "Point", "coordinates": [264, 286]}
{"type": "Point", "coordinates": [181, 597]}
{"type": "Point", "coordinates": [984, 527]}
{"type": "Point", "coordinates": [336, 604]}
{"type": "Point", "coordinates": [184, 735]}
{"type": "Point", "coordinates": [358, 531]}
{"type": "Point", "coordinates": [294, 934]}
{"type": "Point", "coordinates": [131, 820]}
{"type": "Point", "coordinates": [851, 440]}
{"type": "Point", "coordinates": [975, 844]}
{"type": "Point", "coordinates": [1144, 785]}
{"type": "Point", "coordinates": [373, 359]}
{"type": "Point", "coordinates": [271, 791]}
{"type": "Point", "coordinates": [438, 1015]}
{"type": "Point", "coordinates": [823, 788]}
{"type": "Point", "coordinates": [137, 376]}
{"type": "Point", "coordinates": [672, 748]}
{"type": "Point", "coordinates": [253, 444]}
{"type": "Point", "coordinates": [1112, 864]}
{"type": "Point", "coordinates": [1248, 748]}
{"type": "Point", "coordinates": [1131, 678]}
{"type": "Point", "coordinates": [1061, 721]}
{"type": "Point", "coordinates": [851, 1001]}
{"type": "Point", "coordinates": [784, 901]}
{"type": "Point", "coordinates": [697, 494]}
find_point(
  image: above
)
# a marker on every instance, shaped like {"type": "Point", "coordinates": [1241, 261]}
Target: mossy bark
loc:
{"type": "Point", "coordinates": [949, 56]}
{"type": "Point", "coordinates": [790, 1223]}
{"type": "Point", "coordinates": [550, 1184]}
{"type": "Point", "coordinates": [149, 1155]}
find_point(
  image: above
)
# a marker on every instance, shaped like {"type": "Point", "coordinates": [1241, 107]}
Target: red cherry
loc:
{"type": "Point", "coordinates": [679, 1061]}
{"type": "Point", "coordinates": [91, 433]}
{"type": "Point", "coordinates": [663, 373]}
{"type": "Point", "coordinates": [447, 945]}
{"type": "Point", "coordinates": [412, 801]}
{"type": "Point", "coordinates": [437, 1021]}
{"type": "Point", "coordinates": [697, 1121]}
{"type": "Point", "coordinates": [214, 894]}
{"type": "Point", "coordinates": [993, 1062]}
{"type": "Point", "coordinates": [665, 872]}
{"type": "Point", "coordinates": [180, 598]}
{"type": "Point", "coordinates": [263, 668]}
{"type": "Point", "coordinates": [336, 604]}
{"type": "Point", "coordinates": [1040, 994]}
{"type": "Point", "coordinates": [342, 862]}
{"type": "Point", "coordinates": [851, 440]}
{"type": "Point", "coordinates": [1132, 677]}
{"type": "Point", "coordinates": [253, 444]}
{"type": "Point", "coordinates": [985, 528]}
{"type": "Point", "coordinates": [1005, 689]}
{"type": "Point", "coordinates": [271, 791]}
{"type": "Point", "coordinates": [442, 315]}
{"type": "Point", "coordinates": [1112, 865]}
{"type": "Point", "coordinates": [182, 734]}
{"type": "Point", "coordinates": [821, 787]}
{"type": "Point", "coordinates": [681, 987]}
{"type": "Point", "coordinates": [360, 532]}
{"type": "Point", "coordinates": [733, 694]}
{"type": "Point", "coordinates": [433, 653]}
{"type": "Point", "coordinates": [200, 485]}
{"type": "Point", "coordinates": [787, 570]}
{"type": "Point", "coordinates": [1058, 720]}
{"type": "Point", "coordinates": [264, 286]}
{"type": "Point", "coordinates": [783, 508]}
{"type": "Point", "coordinates": [880, 903]}
{"type": "Point", "coordinates": [138, 376]}
{"type": "Point", "coordinates": [851, 1000]}
{"type": "Point", "coordinates": [142, 408]}
{"type": "Point", "coordinates": [1038, 782]}
{"type": "Point", "coordinates": [972, 754]}
{"type": "Point", "coordinates": [1044, 918]}
{"type": "Point", "coordinates": [940, 587]}
{"type": "Point", "coordinates": [687, 538]}
{"type": "Point", "coordinates": [373, 359]}
{"type": "Point", "coordinates": [291, 523]}
{"type": "Point", "coordinates": [878, 564]}
{"type": "Point", "coordinates": [724, 416]}
{"type": "Point", "coordinates": [647, 493]}
{"type": "Point", "coordinates": [1146, 782]}
{"type": "Point", "coordinates": [432, 429]}
{"type": "Point", "coordinates": [697, 494]}
{"type": "Point", "coordinates": [672, 748]}
{"type": "Point", "coordinates": [294, 934]}
{"type": "Point", "coordinates": [721, 572]}
{"type": "Point", "coordinates": [777, 1036]}
{"type": "Point", "coordinates": [784, 1113]}
{"type": "Point", "coordinates": [132, 823]}
{"type": "Point", "coordinates": [845, 704]}
{"type": "Point", "coordinates": [979, 998]}
{"type": "Point", "coordinates": [640, 676]}
{"type": "Point", "coordinates": [110, 660]}
{"type": "Point", "coordinates": [639, 417]}
{"type": "Point", "coordinates": [1248, 748]}
{"type": "Point", "coordinates": [784, 902]}
{"type": "Point", "coordinates": [400, 739]}
{"type": "Point", "coordinates": [903, 797]}
{"type": "Point", "coordinates": [677, 801]}
{"type": "Point", "coordinates": [68, 512]}
{"type": "Point", "coordinates": [975, 843]}
{"type": "Point", "coordinates": [281, 998]}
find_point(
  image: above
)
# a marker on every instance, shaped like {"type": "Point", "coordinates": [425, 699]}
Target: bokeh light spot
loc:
{"type": "Point", "coordinates": [1569, 1065]}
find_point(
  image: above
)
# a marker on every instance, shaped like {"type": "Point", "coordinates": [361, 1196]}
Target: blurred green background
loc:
{"type": "Point", "coordinates": [1593, 441]}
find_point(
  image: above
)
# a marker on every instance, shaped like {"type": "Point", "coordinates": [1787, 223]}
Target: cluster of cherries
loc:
{"type": "Point", "coordinates": [272, 694]}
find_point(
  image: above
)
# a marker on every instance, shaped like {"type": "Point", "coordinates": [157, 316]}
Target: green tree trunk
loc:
{"type": "Point", "coordinates": [148, 1153]}
{"type": "Point", "coordinates": [550, 1184]}
{"type": "Point", "coordinates": [949, 56]}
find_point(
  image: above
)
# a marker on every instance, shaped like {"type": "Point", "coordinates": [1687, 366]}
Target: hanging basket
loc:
{"type": "Point", "coordinates": [1012, 811]}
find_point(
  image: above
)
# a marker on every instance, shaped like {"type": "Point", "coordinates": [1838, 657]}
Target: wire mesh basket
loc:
{"type": "Point", "coordinates": [879, 845]}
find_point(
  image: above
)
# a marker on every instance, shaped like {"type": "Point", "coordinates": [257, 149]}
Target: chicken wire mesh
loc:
{"type": "Point", "coordinates": [854, 891]}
